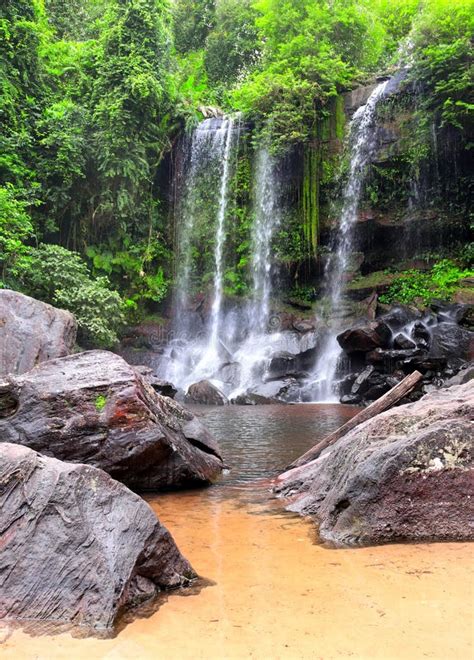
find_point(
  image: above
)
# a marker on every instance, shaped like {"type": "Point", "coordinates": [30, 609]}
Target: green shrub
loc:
{"type": "Point", "coordinates": [15, 227]}
{"type": "Point", "coordinates": [414, 286]}
{"type": "Point", "coordinates": [60, 277]}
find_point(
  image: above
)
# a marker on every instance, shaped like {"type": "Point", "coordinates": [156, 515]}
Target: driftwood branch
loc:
{"type": "Point", "coordinates": [384, 403]}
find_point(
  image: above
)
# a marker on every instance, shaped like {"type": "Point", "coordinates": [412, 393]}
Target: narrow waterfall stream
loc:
{"type": "Point", "coordinates": [210, 355]}
{"type": "Point", "coordinates": [209, 154]}
{"type": "Point", "coordinates": [257, 346]}
{"type": "Point", "coordinates": [362, 140]}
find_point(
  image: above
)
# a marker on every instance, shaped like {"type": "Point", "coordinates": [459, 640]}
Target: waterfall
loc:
{"type": "Point", "coordinates": [266, 222]}
{"type": "Point", "coordinates": [362, 142]}
{"type": "Point", "coordinates": [206, 181]}
{"type": "Point", "coordinates": [238, 340]}
{"type": "Point", "coordinates": [211, 351]}
{"type": "Point", "coordinates": [255, 350]}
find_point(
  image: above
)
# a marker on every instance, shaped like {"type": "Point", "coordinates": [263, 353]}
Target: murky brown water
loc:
{"type": "Point", "coordinates": [276, 593]}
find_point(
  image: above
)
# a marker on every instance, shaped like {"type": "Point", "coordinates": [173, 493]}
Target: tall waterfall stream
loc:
{"type": "Point", "coordinates": [362, 142]}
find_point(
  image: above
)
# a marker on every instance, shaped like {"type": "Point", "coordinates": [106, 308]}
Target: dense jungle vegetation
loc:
{"type": "Point", "coordinates": [94, 93]}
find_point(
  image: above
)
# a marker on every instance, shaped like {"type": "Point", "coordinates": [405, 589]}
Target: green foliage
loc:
{"type": "Point", "coordinates": [135, 269]}
{"type": "Point", "coordinates": [232, 47]}
{"type": "Point", "coordinates": [15, 229]}
{"type": "Point", "coordinates": [193, 20]}
{"type": "Point", "coordinates": [131, 105]}
{"type": "Point", "coordinates": [443, 64]}
{"type": "Point", "coordinates": [100, 402]}
{"type": "Point", "coordinates": [414, 286]}
{"type": "Point", "coordinates": [58, 276]}
{"type": "Point", "coordinates": [311, 51]}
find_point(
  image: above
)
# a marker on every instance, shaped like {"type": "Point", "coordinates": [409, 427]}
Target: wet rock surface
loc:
{"type": "Point", "coordinates": [432, 342]}
{"type": "Point", "coordinates": [205, 393]}
{"type": "Point", "coordinates": [32, 332]}
{"type": "Point", "coordinates": [77, 546]}
{"type": "Point", "coordinates": [94, 408]}
{"type": "Point", "coordinates": [365, 338]}
{"type": "Point", "coordinates": [405, 475]}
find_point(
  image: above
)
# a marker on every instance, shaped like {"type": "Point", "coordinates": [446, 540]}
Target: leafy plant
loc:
{"type": "Point", "coordinates": [59, 276]}
{"type": "Point", "coordinates": [417, 286]}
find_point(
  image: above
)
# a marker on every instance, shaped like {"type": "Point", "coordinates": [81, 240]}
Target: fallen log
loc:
{"type": "Point", "coordinates": [384, 403]}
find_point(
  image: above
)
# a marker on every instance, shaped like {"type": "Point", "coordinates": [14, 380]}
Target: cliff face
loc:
{"type": "Point", "coordinates": [414, 205]}
{"type": "Point", "coordinates": [415, 202]}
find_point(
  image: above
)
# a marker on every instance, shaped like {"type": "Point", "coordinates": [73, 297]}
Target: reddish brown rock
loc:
{"type": "Point", "coordinates": [77, 546]}
{"type": "Point", "coordinates": [365, 338]}
{"type": "Point", "coordinates": [405, 475]}
{"type": "Point", "coordinates": [32, 332]}
{"type": "Point", "coordinates": [94, 408]}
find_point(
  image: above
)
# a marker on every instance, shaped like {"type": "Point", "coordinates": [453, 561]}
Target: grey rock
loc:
{"type": "Point", "coordinates": [94, 408]}
{"type": "Point", "coordinates": [464, 376]}
{"type": "Point", "coordinates": [403, 342]}
{"type": "Point", "coordinates": [405, 475]}
{"type": "Point", "coordinates": [361, 383]}
{"type": "Point", "coordinates": [449, 340]}
{"type": "Point", "coordinates": [205, 393]}
{"type": "Point", "coordinates": [163, 387]}
{"type": "Point", "coordinates": [77, 546]}
{"type": "Point", "coordinates": [32, 332]}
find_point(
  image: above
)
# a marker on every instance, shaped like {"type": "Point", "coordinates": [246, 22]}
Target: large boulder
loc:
{"type": "Point", "coordinates": [365, 338]}
{"type": "Point", "coordinates": [451, 341]}
{"type": "Point", "coordinates": [32, 332]}
{"type": "Point", "coordinates": [77, 546]}
{"type": "Point", "coordinates": [94, 408]}
{"type": "Point", "coordinates": [405, 475]}
{"type": "Point", "coordinates": [205, 393]}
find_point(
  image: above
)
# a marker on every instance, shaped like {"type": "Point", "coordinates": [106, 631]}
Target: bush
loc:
{"type": "Point", "coordinates": [15, 227]}
{"type": "Point", "coordinates": [418, 286]}
{"type": "Point", "coordinates": [60, 277]}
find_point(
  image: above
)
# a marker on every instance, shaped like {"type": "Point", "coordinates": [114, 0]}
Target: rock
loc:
{"type": "Point", "coordinates": [365, 338]}
{"type": "Point", "coordinates": [284, 365]}
{"type": "Point", "coordinates": [351, 399]}
{"type": "Point", "coordinates": [163, 387]}
{"type": "Point", "coordinates": [398, 317]}
{"type": "Point", "coordinates": [205, 393]}
{"type": "Point", "coordinates": [229, 373]}
{"type": "Point", "coordinates": [303, 326]}
{"type": "Point", "coordinates": [275, 391]}
{"type": "Point", "coordinates": [421, 334]}
{"type": "Point", "coordinates": [464, 376]}
{"type": "Point", "coordinates": [77, 546]}
{"type": "Point", "coordinates": [94, 408]}
{"type": "Point", "coordinates": [403, 342]}
{"type": "Point", "coordinates": [449, 340]}
{"type": "Point", "coordinates": [345, 385]}
{"type": "Point", "coordinates": [405, 475]}
{"type": "Point", "coordinates": [389, 357]}
{"type": "Point", "coordinates": [252, 399]}
{"type": "Point", "coordinates": [361, 383]}
{"type": "Point", "coordinates": [32, 332]}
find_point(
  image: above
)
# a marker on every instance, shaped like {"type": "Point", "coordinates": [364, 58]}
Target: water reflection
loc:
{"type": "Point", "coordinates": [260, 441]}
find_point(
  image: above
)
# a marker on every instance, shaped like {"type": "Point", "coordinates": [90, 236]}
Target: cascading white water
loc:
{"type": "Point", "coordinates": [266, 222]}
{"type": "Point", "coordinates": [362, 140]}
{"type": "Point", "coordinates": [256, 348]}
{"type": "Point", "coordinates": [210, 155]}
{"type": "Point", "coordinates": [210, 355]}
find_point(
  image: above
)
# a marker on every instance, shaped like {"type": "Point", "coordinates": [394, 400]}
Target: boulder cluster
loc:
{"type": "Point", "coordinates": [438, 342]}
{"type": "Point", "coordinates": [76, 432]}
